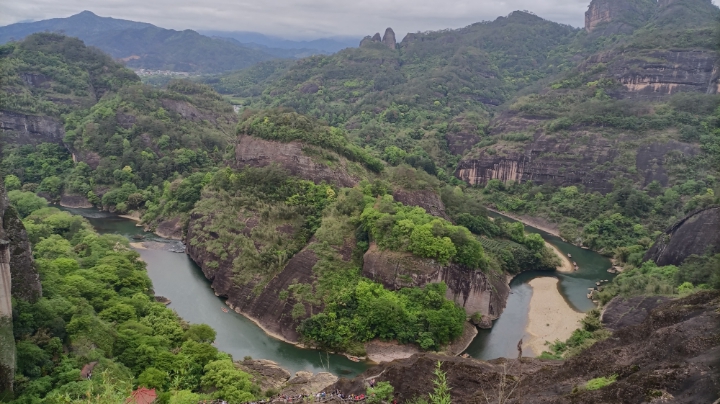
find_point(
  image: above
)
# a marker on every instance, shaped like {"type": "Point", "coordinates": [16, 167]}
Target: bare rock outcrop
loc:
{"type": "Point", "coordinates": [389, 38]}
{"type": "Point", "coordinates": [617, 16]}
{"type": "Point", "coordinates": [171, 229]}
{"type": "Point", "coordinates": [20, 128]}
{"type": "Point", "coordinates": [573, 160]}
{"type": "Point", "coordinates": [258, 296]}
{"type": "Point", "coordinates": [654, 75]}
{"type": "Point", "coordinates": [697, 233]}
{"type": "Point", "coordinates": [74, 201]}
{"type": "Point", "coordinates": [427, 199]}
{"type": "Point", "coordinates": [308, 383]}
{"type": "Point", "coordinates": [474, 290]}
{"type": "Point", "coordinates": [266, 374]}
{"type": "Point", "coordinates": [19, 279]}
{"type": "Point", "coordinates": [670, 356]}
{"type": "Point", "coordinates": [623, 312]}
{"type": "Point", "coordinates": [256, 152]}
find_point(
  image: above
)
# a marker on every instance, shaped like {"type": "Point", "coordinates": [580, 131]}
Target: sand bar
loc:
{"type": "Point", "coordinates": [566, 265]}
{"type": "Point", "coordinates": [551, 317]}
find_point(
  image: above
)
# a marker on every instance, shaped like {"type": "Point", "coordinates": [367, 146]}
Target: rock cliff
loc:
{"type": "Point", "coordinates": [256, 152]}
{"type": "Point", "coordinates": [20, 128]}
{"type": "Point", "coordinates": [388, 39]}
{"type": "Point", "coordinates": [19, 279]}
{"type": "Point", "coordinates": [475, 291]}
{"type": "Point", "coordinates": [670, 356]}
{"type": "Point", "coordinates": [426, 198]}
{"type": "Point", "coordinates": [583, 157]}
{"type": "Point", "coordinates": [698, 233]}
{"type": "Point", "coordinates": [617, 16]}
{"type": "Point", "coordinates": [654, 75]}
{"type": "Point", "coordinates": [258, 297]}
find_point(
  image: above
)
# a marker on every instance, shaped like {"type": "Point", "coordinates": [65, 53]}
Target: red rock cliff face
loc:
{"type": "Point", "coordinates": [475, 291]}
{"type": "Point", "coordinates": [255, 152]}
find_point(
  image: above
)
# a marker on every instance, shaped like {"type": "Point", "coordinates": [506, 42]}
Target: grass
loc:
{"type": "Point", "coordinates": [600, 382]}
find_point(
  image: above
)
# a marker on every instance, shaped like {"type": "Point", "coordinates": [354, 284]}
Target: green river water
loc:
{"type": "Point", "coordinates": [178, 278]}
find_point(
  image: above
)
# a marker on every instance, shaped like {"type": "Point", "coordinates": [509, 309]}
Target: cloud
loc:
{"type": "Point", "coordinates": [300, 18]}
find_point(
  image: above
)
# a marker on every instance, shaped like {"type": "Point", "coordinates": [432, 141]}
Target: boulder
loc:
{"type": "Point", "coordinates": [698, 233]}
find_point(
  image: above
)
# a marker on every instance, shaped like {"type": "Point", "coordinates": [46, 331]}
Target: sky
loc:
{"type": "Point", "coordinates": [299, 19]}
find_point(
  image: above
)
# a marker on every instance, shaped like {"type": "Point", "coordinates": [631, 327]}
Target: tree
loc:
{"type": "Point", "coordinates": [232, 385]}
{"type": "Point", "coordinates": [382, 392]}
{"type": "Point", "coordinates": [26, 202]}
{"type": "Point", "coordinates": [152, 378]}
{"type": "Point", "coordinates": [200, 333]}
{"type": "Point", "coordinates": [12, 183]}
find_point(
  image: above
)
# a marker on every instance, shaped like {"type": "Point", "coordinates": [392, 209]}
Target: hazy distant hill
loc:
{"type": "Point", "coordinates": [143, 45]}
{"type": "Point", "coordinates": [322, 45]}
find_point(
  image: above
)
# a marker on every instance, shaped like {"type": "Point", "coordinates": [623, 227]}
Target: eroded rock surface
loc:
{"type": "Point", "coordinates": [427, 199]}
{"type": "Point", "coordinates": [19, 279]}
{"type": "Point", "coordinates": [267, 374]}
{"type": "Point", "coordinates": [308, 383]}
{"type": "Point", "coordinates": [257, 297]}
{"type": "Point", "coordinates": [698, 233]}
{"type": "Point", "coordinates": [255, 152]}
{"type": "Point", "coordinates": [389, 38]}
{"type": "Point", "coordinates": [20, 128]}
{"type": "Point", "coordinates": [583, 157]}
{"type": "Point", "coordinates": [74, 201]}
{"type": "Point", "coordinates": [475, 291]}
{"type": "Point", "coordinates": [625, 312]}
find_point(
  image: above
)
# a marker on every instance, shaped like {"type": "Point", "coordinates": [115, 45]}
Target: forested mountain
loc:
{"type": "Point", "coordinates": [625, 104]}
{"type": "Point", "coordinates": [348, 185]}
{"type": "Point", "coordinates": [142, 45]}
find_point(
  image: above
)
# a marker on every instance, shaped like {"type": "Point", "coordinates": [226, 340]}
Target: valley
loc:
{"type": "Point", "coordinates": [523, 202]}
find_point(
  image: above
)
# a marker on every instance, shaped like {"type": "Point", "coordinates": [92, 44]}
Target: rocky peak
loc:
{"type": "Point", "coordinates": [389, 38]}
{"type": "Point", "coordinates": [619, 16]}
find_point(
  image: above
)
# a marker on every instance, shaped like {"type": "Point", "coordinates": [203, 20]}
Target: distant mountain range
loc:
{"type": "Point", "coordinates": [325, 45]}
{"type": "Point", "coordinates": [143, 45]}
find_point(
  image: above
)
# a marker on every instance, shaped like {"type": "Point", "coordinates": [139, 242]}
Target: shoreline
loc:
{"type": "Point", "coordinates": [550, 316]}
{"type": "Point", "coordinates": [566, 266]}
{"type": "Point", "coordinates": [536, 222]}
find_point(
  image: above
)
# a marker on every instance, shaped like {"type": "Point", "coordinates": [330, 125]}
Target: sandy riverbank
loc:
{"type": "Point", "coordinates": [138, 246]}
{"type": "Point", "coordinates": [565, 264]}
{"type": "Point", "coordinates": [536, 222]}
{"type": "Point", "coordinates": [550, 317]}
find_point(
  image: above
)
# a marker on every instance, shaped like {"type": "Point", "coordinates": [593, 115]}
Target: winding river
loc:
{"type": "Point", "coordinates": [178, 278]}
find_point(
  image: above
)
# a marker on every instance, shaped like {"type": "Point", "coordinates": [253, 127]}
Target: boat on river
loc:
{"type": "Point", "coordinates": [354, 358]}
{"type": "Point", "coordinates": [224, 310]}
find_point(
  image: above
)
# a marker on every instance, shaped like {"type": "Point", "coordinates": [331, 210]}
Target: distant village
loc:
{"type": "Point", "coordinates": [150, 72]}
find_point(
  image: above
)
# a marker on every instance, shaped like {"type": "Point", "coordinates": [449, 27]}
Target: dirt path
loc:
{"type": "Point", "coordinates": [536, 222]}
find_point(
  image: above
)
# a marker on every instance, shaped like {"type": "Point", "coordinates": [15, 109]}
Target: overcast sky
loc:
{"type": "Point", "coordinates": [299, 18]}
